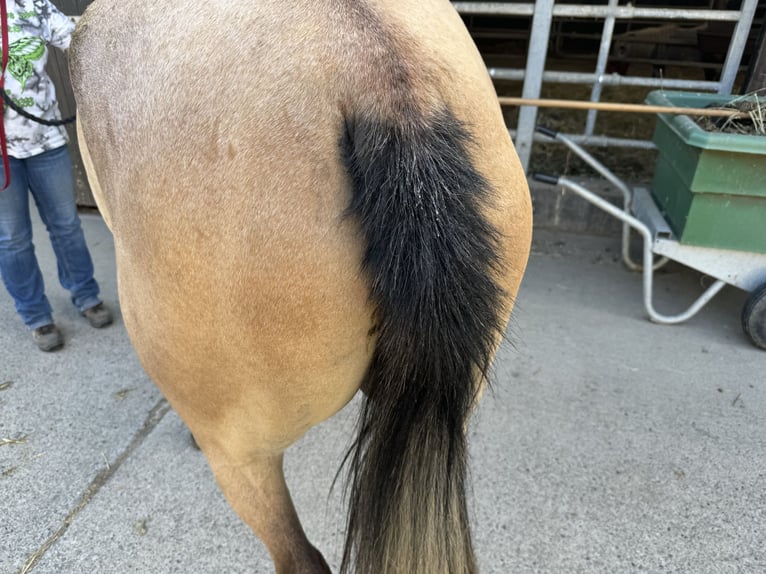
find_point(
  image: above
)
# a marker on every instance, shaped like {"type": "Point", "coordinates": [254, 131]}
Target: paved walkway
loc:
{"type": "Point", "coordinates": [610, 444]}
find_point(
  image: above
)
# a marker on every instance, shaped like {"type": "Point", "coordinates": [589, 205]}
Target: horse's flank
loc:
{"type": "Point", "coordinates": [306, 196]}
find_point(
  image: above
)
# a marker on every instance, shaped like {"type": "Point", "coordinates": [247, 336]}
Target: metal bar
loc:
{"type": "Point", "coordinates": [756, 74]}
{"type": "Point", "coordinates": [627, 195]}
{"type": "Point", "coordinates": [495, 8]}
{"type": "Point", "coordinates": [648, 258]}
{"type": "Point", "coordinates": [538, 50]}
{"type": "Point", "coordinates": [737, 46]}
{"type": "Point", "coordinates": [596, 11]}
{"type": "Point", "coordinates": [601, 62]}
{"type": "Point", "coordinates": [598, 141]}
{"type": "Point", "coordinates": [630, 12]}
{"type": "Point", "coordinates": [645, 208]}
{"type": "Point", "coordinates": [607, 80]}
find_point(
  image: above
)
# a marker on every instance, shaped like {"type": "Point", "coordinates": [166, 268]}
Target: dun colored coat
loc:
{"type": "Point", "coordinates": [309, 197]}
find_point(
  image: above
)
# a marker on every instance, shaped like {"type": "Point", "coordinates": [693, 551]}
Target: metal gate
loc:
{"type": "Point", "coordinates": [543, 13]}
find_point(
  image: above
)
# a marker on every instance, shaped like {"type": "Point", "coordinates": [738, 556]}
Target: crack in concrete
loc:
{"type": "Point", "coordinates": [152, 420]}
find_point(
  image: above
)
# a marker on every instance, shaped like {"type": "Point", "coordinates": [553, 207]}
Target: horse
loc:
{"type": "Point", "coordinates": [309, 198]}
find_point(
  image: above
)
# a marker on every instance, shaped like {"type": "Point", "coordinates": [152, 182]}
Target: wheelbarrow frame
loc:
{"type": "Point", "coordinates": [741, 269]}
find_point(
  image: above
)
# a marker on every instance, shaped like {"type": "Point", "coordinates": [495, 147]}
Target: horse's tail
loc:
{"type": "Point", "coordinates": [432, 259]}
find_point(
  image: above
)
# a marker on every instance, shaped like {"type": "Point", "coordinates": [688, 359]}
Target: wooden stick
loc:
{"type": "Point", "coordinates": [618, 107]}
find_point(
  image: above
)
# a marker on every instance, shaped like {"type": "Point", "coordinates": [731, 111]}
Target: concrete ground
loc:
{"type": "Point", "coordinates": [609, 445]}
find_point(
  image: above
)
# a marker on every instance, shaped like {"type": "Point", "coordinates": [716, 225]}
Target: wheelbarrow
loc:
{"type": "Point", "coordinates": [639, 212]}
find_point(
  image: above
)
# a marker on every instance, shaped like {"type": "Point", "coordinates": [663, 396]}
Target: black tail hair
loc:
{"type": "Point", "coordinates": [432, 259]}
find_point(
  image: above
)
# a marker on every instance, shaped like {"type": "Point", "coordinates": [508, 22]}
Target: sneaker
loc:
{"type": "Point", "coordinates": [98, 316]}
{"type": "Point", "coordinates": [48, 338]}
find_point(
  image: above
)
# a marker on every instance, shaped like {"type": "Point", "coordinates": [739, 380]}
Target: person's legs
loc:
{"type": "Point", "coordinates": [18, 264]}
{"type": "Point", "coordinates": [52, 186]}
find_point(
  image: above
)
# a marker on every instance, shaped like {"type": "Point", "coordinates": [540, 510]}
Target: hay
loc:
{"type": "Point", "coordinates": [123, 394]}
{"type": "Point", "coordinates": [753, 124]}
{"type": "Point", "coordinates": [19, 440]}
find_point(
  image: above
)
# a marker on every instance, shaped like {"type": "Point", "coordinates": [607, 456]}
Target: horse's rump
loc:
{"type": "Point", "coordinates": [306, 196]}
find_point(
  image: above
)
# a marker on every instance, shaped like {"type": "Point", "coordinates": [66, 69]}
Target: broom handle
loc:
{"type": "Point", "coordinates": [617, 107]}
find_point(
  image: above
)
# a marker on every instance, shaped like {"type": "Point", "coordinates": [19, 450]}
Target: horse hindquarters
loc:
{"type": "Point", "coordinates": [236, 210]}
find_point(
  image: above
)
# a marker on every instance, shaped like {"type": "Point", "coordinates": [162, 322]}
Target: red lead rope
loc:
{"type": "Point", "coordinates": [3, 143]}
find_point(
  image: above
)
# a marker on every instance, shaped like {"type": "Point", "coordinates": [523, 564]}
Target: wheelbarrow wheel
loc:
{"type": "Point", "coordinates": [754, 317]}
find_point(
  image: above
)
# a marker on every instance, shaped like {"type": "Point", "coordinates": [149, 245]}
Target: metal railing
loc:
{"type": "Point", "coordinates": [543, 13]}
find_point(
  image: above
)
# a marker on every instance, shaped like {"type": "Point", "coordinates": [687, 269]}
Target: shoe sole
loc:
{"type": "Point", "coordinates": [50, 348]}
{"type": "Point", "coordinates": [100, 324]}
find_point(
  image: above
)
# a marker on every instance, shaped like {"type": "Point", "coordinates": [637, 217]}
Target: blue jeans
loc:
{"type": "Point", "coordinates": [49, 177]}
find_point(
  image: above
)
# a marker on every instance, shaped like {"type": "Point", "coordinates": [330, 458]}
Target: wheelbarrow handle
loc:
{"type": "Point", "coordinates": [546, 131]}
{"type": "Point", "coordinates": [546, 178]}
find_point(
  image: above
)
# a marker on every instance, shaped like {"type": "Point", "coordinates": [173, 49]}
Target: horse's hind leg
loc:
{"type": "Point", "coordinates": [257, 491]}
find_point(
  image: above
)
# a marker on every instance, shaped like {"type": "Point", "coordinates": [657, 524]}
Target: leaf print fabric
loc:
{"type": "Point", "coordinates": [21, 55]}
{"type": "Point", "coordinates": [33, 25]}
